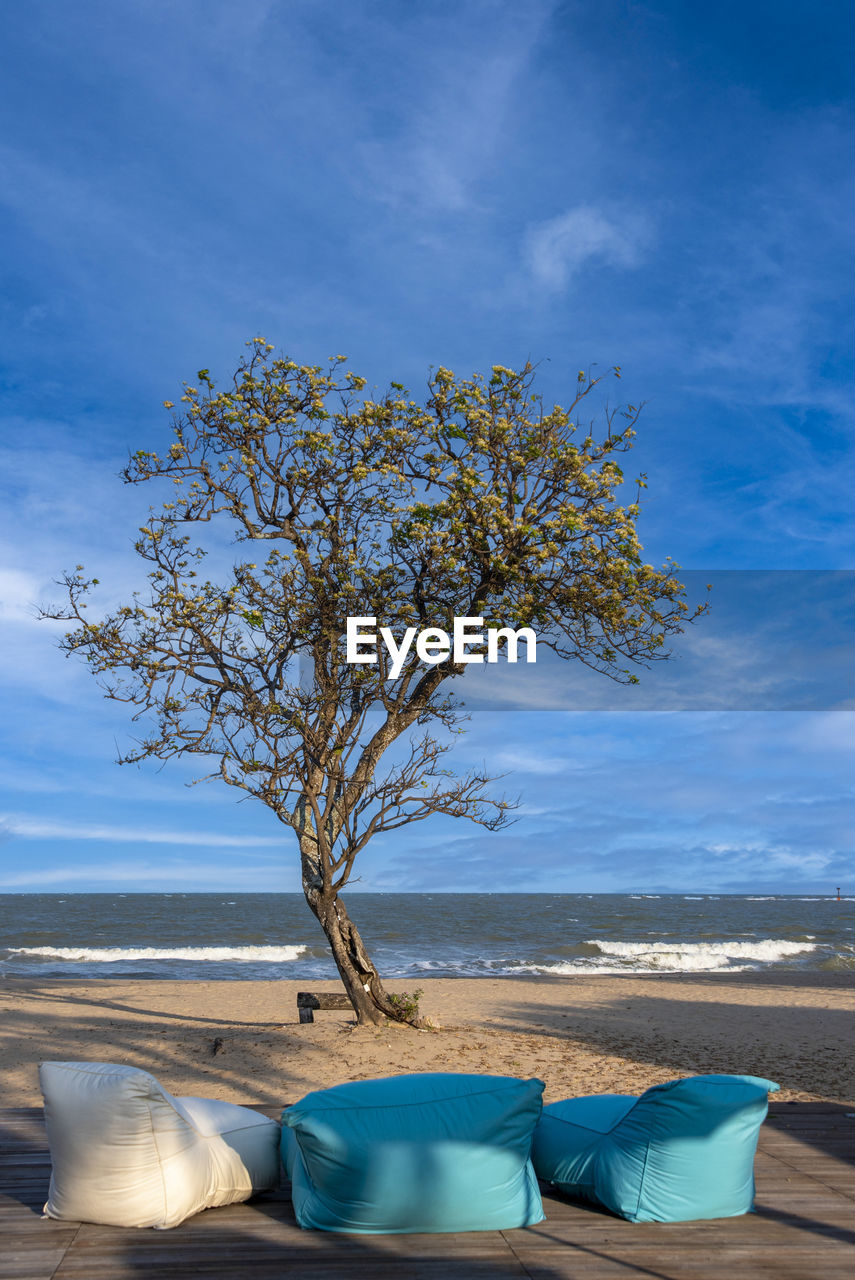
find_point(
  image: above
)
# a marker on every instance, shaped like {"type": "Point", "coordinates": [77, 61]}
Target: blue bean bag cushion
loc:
{"type": "Point", "coordinates": [682, 1150]}
{"type": "Point", "coordinates": [433, 1152]}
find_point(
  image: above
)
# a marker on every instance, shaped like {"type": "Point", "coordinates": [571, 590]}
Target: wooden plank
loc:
{"type": "Point", "coordinates": [33, 1264]}
{"type": "Point", "coordinates": [572, 1263]}
{"type": "Point", "coordinates": [102, 1252]}
{"type": "Point", "coordinates": [323, 1000]}
{"type": "Point", "coordinates": [804, 1227]}
{"type": "Point", "coordinates": [286, 1267]}
{"type": "Point", "coordinates": [584, 1227]}
{"type": "Point", "coordinates": [308, 1001]}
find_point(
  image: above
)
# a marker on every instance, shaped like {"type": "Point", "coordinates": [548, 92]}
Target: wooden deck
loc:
{"type": "Point", "coordinates": [804, 1228]}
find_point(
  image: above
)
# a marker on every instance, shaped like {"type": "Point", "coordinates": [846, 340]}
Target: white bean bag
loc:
{"type": "Point", "coordinates": [128, 1154]}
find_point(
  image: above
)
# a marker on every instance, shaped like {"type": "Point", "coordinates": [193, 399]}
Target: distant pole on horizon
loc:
{"type": "Point", "coordinates": [838, 893]}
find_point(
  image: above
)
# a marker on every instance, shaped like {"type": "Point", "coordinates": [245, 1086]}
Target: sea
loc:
{"type": "Point", "coordinates": [224, 936]}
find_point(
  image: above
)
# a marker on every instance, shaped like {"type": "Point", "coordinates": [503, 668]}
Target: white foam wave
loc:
{"type": "Point", "coordinates": [568, 969]}
{"type": "Point", "coordinates": [110, 955]}
{"type": "Point", "coordinates": [688, 957]}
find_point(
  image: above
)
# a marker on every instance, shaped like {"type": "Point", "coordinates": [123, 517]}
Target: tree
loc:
{"type": "Point", "coordinates": [479, 503]}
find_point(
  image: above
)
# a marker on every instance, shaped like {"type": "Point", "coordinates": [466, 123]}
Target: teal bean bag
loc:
{"type": "Point", "coordinates": [682, 1150]}
{"type": "Point", "coordinates": [433, 1152]}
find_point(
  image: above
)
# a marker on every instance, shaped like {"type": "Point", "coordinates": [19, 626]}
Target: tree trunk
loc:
{"type": "Point", "coordinates": [361, 980]}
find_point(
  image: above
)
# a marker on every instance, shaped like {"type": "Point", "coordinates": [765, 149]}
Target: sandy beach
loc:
{"type": "Point", "coordinates": [242, 1041]}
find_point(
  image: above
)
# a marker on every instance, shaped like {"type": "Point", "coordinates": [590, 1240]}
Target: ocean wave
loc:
{"type": "Point", "coordinates": [111, 955]}
{"type": "Point", "coordinates": [688, 957]}
{"type": "Point", "coordinates": [842, 960]}
{"type": "Point", "coordinates": [607, 957]}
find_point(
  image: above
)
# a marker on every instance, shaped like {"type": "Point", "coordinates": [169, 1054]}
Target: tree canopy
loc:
{"type": "Point", "coordinates": [479, 502]}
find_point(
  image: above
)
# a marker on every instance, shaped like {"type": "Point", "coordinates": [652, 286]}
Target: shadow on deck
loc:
{"type": "Point", "coordinates": [804, 1227]}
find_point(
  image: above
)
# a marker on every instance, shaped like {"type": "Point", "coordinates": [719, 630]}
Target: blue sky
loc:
{"type": "Point", "coordinates": [664, 186]}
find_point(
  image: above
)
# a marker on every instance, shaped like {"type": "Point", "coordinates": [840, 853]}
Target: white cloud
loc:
{"type": "Point", "coordinates": [140, 876]}
{"type": "Point", "coordinates": [523, 761]}
{"type": "Point", "coordinates": [33, 829]}
{"type": "Point", "coordinates": [19, 593]}
{"type": "Point", "coordinates": [556, 250]}
{"type": "Point", "coordinates": [830, 733]}
{"type": "Point", "coordinates": [451, 130]}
